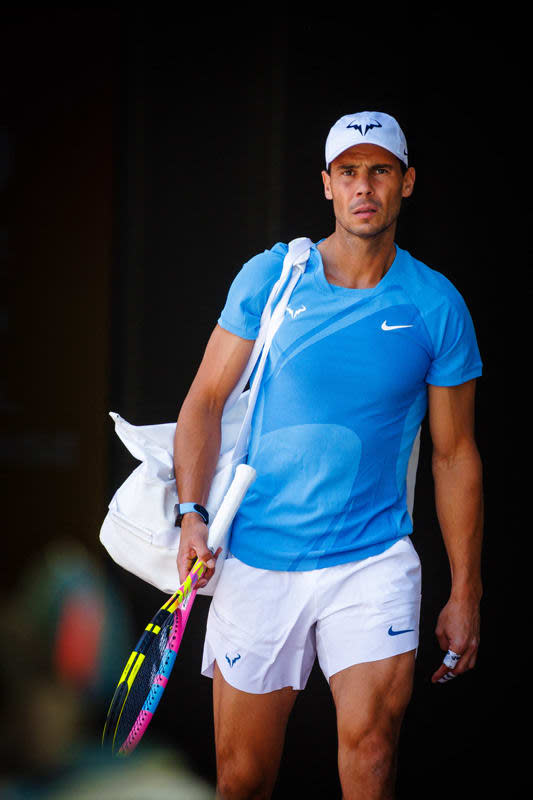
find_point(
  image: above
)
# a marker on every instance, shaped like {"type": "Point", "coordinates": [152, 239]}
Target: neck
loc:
{"type": "Point", "coordinates": [354, 262]}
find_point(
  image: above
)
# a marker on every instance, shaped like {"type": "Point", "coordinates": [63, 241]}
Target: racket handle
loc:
{"type": "Point", "coordinates": [243, 478]}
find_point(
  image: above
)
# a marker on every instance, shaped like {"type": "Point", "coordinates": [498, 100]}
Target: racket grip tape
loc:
{"type": "Point", "coordinates": [243, 478]}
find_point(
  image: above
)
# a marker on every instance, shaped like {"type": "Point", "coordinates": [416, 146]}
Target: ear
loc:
{"type": "Point", "coordinates": [326, 178]}
{"type": "Point", "coordinates": [408, 182]}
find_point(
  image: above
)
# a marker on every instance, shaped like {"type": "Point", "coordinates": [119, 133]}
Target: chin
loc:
{"type": "Point", "coordinates": [369, 229]}
{"type": "Point", "coordinates": [366, 231]}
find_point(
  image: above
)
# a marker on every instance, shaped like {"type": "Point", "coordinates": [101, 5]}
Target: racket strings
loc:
{"type": "Point", "coordinates": [150, 704]}
{"type": "Point", "coordinates": [154, 657]}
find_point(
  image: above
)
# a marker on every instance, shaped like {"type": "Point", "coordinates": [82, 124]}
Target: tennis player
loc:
{"type": "Point", "coordinates": [321, 561]}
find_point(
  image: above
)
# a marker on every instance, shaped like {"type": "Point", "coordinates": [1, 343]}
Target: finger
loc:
{"type": "Point", "coordinates": [184, 562]}
{"type": "Point", "coordinates": [439, 673]}
{"type": "Point", "coordinates": [447, 677]}
{"type": "Point", "coordinates": [203, 553]}
{"type": "Point", "coordinates": [206, 577]}
{"type": "Point", "coordinates": [209, 561]}
{"type": "Point", "coordinates": [448, 669]}
{"type": "Point", "coordinates": [182, 567]}
{"type": "Point", "coordinates": [451, 659]}
{"type": "Point", "coordinates": [472, 661]}
{"type": "Point", "coordinates": [443, 674]}
{"type": "Point", "coordinates": [468, 661]}
{"type": "Point", "coordinates": [460, 652]}
{"type": "Point", "coordinates": [204, 574]}
{"type": "Point", "coordinates": [198, 550]}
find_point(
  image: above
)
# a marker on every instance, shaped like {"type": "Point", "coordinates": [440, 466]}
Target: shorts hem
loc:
{"type": "Point", "coordinates": [208, 670]}
{"type": "Point", "coordinates": [397, 651]}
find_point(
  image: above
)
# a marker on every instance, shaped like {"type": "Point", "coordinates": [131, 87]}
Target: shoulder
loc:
{"type": "Point", "coordinates": [264, 268]}
{"type": "Point", "coordinates": [250, 290]}
{"type": "Point", "coordinates": [447, 320]}
{"type": "Point", "coordinates": [428, 288]}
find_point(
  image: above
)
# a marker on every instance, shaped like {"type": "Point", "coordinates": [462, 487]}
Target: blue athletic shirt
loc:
{"type": "Point", "coordinates": [341, 402]}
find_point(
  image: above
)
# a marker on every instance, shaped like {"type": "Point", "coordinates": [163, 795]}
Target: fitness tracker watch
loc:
{"type": "Point", "coordinates": [186, 508]}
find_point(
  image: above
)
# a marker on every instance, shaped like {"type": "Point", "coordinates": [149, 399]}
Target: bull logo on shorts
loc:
{"type": "Point", "coordinates": [231, 658]}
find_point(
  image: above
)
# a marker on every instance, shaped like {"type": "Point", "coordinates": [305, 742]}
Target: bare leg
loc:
{"type": "Point", "coordinates": [371, 700]}
{"type": "Point", "coordinates": [249, 737]}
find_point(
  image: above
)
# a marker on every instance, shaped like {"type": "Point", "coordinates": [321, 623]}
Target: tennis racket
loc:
{"type": "Point", "coordinates": [148, 668]}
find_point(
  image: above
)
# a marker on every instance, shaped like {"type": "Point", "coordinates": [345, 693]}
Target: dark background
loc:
{"type": "Point", "coordinates": [143, 158]}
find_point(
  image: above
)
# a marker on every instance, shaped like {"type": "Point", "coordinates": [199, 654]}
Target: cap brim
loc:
{"type": "Point", "coordinates": [342, 150]}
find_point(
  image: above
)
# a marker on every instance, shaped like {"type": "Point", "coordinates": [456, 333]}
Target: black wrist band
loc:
{"type": "Point", "coordinates": [186, 508]}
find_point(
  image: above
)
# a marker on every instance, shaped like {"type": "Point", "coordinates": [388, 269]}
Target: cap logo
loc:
{"type": "Point", "coordinates": [368, 127]}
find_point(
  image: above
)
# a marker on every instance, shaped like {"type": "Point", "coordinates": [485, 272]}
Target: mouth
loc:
{"type": "Point", "coordinates": [365, 212]}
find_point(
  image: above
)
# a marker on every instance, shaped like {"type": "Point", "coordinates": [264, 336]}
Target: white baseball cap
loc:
{"type": "Point", "coordinates": [371, 127]}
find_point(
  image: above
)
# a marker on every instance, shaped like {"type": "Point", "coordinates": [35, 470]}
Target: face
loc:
{"type": "Point", "coordinates": [366, 186]}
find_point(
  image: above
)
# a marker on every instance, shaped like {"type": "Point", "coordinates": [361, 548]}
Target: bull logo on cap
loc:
{"type": "Point", "coordinates": [368, 127]}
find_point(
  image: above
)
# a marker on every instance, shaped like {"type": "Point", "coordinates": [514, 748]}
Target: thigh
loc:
{"type": "Point", "coordinates": [249, 735]}
{"type": "Point", "coordinates": [372, 697]}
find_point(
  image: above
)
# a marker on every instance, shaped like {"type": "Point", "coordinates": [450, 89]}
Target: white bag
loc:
{"type": "Point", "coordinates": [139, 530]}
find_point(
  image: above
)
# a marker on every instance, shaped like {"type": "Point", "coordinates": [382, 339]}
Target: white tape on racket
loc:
{"type": "Point", "coordinates": [244, 476]}
{"type": "Point", "coordinates": [450, 659]}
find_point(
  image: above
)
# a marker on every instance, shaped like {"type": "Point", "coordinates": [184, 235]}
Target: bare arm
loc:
{"type": "Point", "coordinates": [457, 474]}
{"type": "Point", "coordinates": [197, 438]}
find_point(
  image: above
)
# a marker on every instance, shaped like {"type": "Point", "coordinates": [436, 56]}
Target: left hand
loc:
{"type": "Point", "coordinates": [458, 630]}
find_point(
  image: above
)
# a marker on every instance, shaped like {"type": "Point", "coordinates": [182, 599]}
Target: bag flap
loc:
{"type": "Point", "coordinates": [147, 441]}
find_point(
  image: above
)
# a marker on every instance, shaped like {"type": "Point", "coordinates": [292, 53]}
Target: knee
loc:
{"type": "Point", "coordinates": [369, 744]}
{"type": "Point", "coordinates": [374, 751]}
{"type": "Point", "coordinates": [239, 777]}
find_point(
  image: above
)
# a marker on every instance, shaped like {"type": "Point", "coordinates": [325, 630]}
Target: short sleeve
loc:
{"type": "Point", "coordinates": [249, 292]}
{"type": "Point", "coordinates": [456, 353]}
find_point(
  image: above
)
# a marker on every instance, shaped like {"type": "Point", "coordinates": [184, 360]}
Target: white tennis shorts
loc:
{"type": "Point", "coordinates": [266, 627]}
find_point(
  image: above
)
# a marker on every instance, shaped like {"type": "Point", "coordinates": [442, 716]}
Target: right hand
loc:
{"type": "Point", "coordinates": [193, 545]}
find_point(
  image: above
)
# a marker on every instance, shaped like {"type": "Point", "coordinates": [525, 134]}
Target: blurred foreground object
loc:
{"type": "Point", "coordinates": [65, 631]}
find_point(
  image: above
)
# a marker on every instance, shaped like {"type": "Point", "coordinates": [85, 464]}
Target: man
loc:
{"type": "Point", "coordinates": [322, 564]}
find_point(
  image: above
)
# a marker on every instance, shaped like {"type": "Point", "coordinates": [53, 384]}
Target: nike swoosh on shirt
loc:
{"type": "Point", "coordinates": [385, 327]}
{"type": "Point", "coordinates": [397, 633]}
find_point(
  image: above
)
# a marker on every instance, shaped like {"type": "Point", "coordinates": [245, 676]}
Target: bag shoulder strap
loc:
{"type": "Point", "coordinates": [296, 265]}
{"type": "Point", "coordinates": [296, 257]}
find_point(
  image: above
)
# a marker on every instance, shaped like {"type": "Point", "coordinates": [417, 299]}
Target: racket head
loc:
{"type": "Point", "coordinates": [146, 673]}
{"type": "Point", "coordinates": [159, 683]}
{"type": "Point", "coordinates": [148, 669]}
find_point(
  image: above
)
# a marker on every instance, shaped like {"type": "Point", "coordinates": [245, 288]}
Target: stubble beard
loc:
{"type": "Point", "coordinates": [360, 233]}
{"type": "Point", "coordinates": [371, 234]}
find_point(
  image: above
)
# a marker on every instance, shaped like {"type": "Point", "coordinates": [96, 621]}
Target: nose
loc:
{"type": "Point", "coordinates": [364, 184]}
